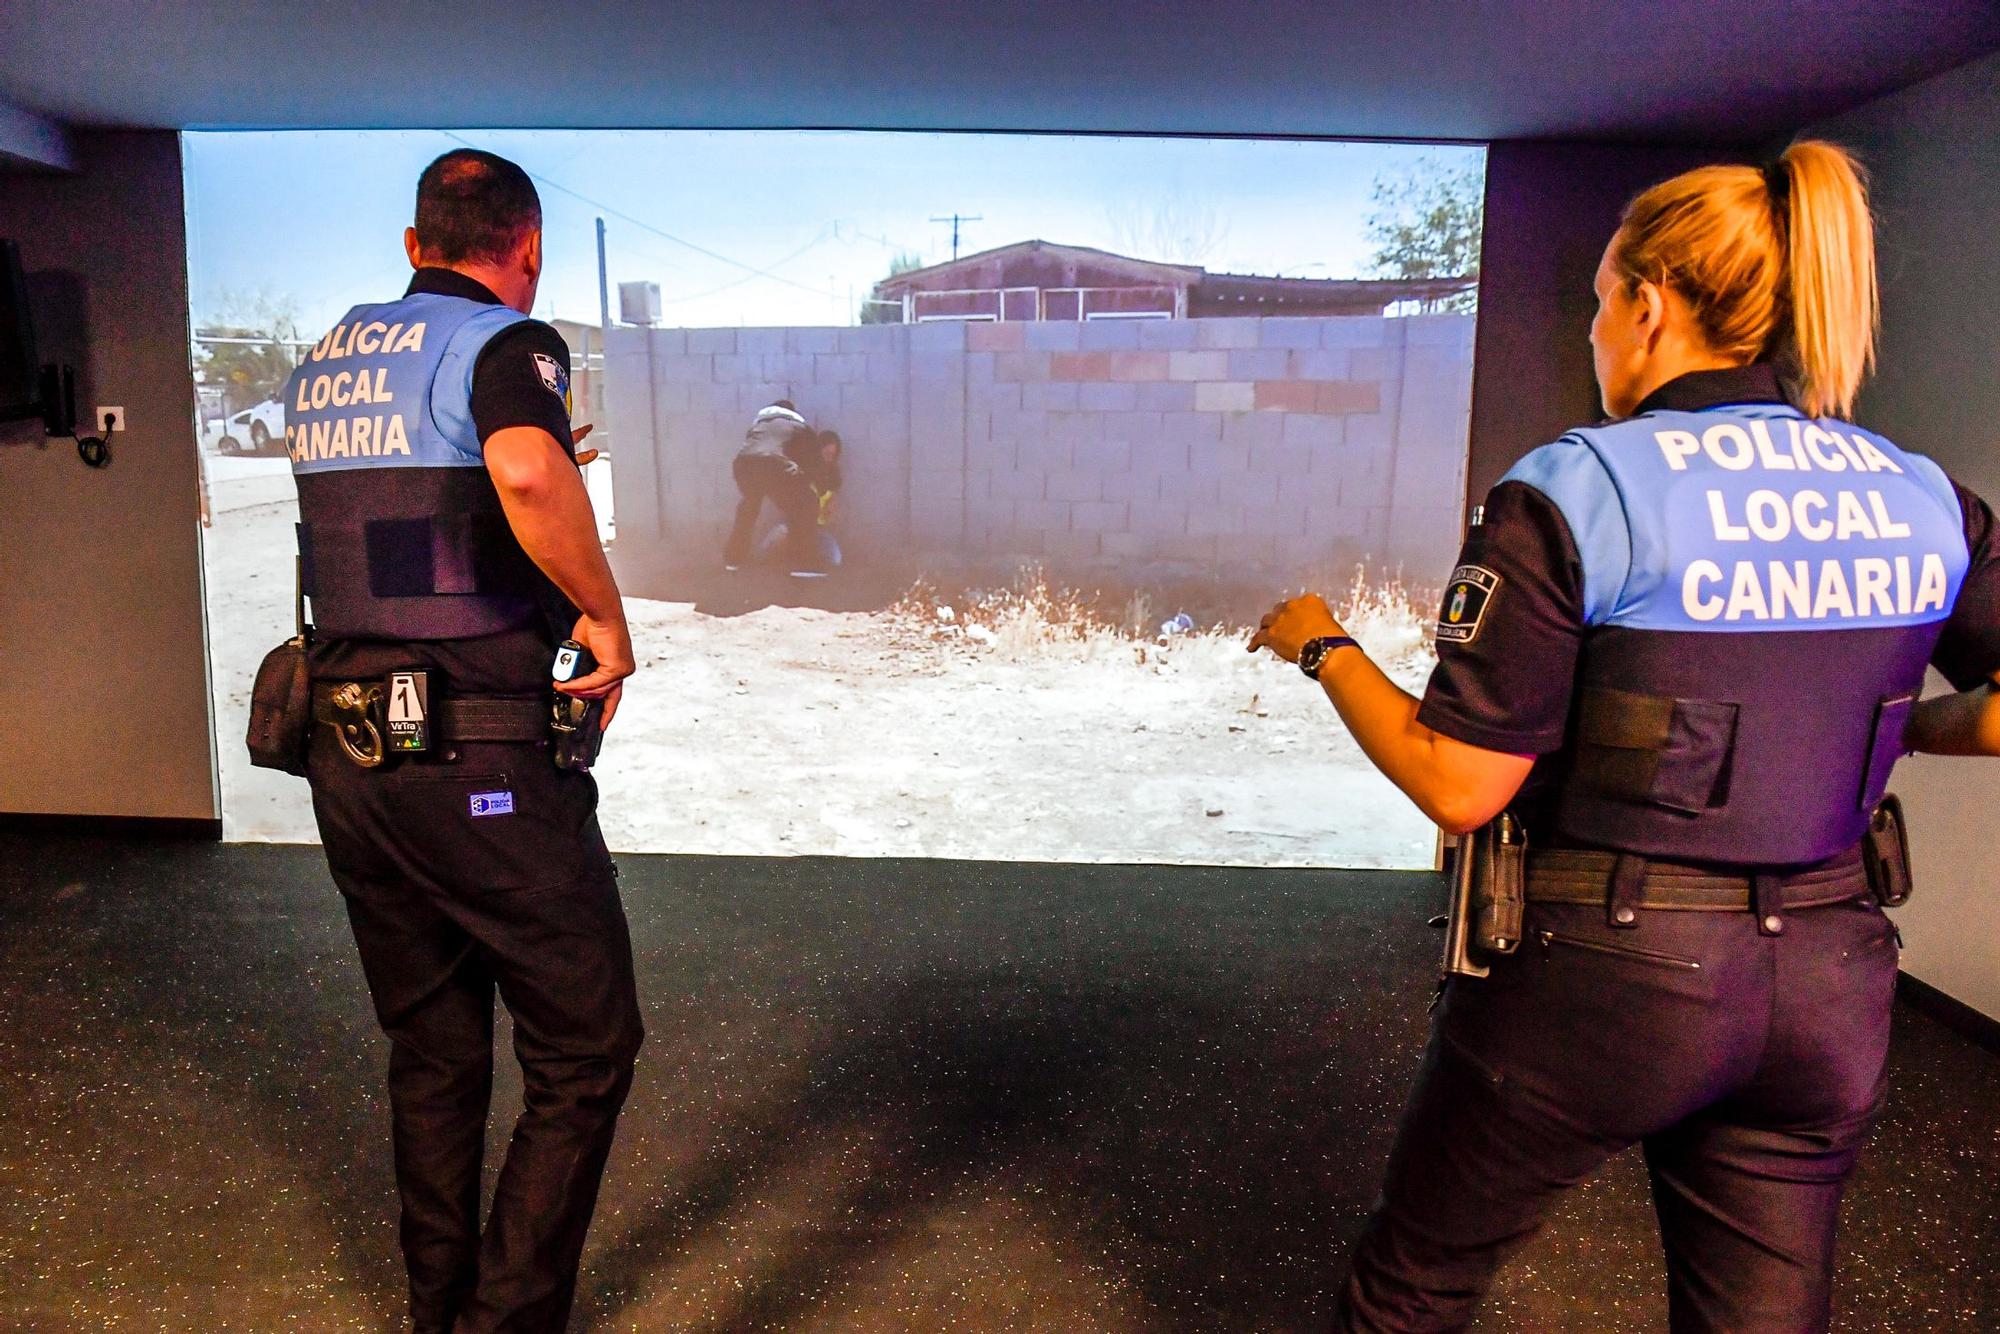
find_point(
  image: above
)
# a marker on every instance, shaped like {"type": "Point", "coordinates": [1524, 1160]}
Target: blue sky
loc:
{"type": "Point", "coordinates": [317, 217]}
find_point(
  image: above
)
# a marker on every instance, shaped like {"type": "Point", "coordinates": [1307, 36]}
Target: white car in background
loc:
{"type": "Point", "coordinates": [255, 430]}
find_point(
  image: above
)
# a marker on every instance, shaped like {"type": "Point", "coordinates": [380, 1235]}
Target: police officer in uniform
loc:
{"type": "Point", "coordinates": [1684, 648]}
{"type": "Point", "coordinates": [448, 546]}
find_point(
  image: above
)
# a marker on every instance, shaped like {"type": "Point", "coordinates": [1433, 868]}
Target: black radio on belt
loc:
{"type": "Point", "coordinates": [576, 726]}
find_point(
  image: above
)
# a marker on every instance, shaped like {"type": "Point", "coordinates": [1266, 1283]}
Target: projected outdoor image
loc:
{"type": "Point", "coordinates": [1067, 415]}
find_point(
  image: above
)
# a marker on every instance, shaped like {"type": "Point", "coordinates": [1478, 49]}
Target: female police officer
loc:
{"type": "Point", "coordinates": [1684, 648]}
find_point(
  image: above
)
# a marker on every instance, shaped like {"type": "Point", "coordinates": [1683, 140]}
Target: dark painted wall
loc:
{"type": "Point", "coordinates": [1934, 152]}
{"type": "Point", "coordinates": [103, 670]}
{"type": "Point", "coordinates": [1550, 208]}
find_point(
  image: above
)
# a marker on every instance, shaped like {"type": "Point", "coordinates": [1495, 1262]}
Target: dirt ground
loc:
{"type": "Point", "coordinates": [913, 732]}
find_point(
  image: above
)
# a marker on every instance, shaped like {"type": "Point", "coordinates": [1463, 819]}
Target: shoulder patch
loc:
{"type": "Point", "coordinates": [1466, 598]}
{"type": "Point", "coordinates": [555, 376]}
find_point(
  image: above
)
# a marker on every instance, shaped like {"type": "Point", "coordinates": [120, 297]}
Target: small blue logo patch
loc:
{"type": "Point", "coordinates": [492, 803]}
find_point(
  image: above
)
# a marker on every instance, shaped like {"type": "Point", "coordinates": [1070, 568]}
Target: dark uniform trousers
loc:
{"type": "Point", "coordinates": [767, 476]}
{"type": "Point", "coordinates": [446, 907]}
{"type": "Point", "coordinates": [1749, 1066]}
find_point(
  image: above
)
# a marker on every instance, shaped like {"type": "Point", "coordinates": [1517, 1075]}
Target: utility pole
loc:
{"type": "Point", "coordinates": [603, 287]}
{"type": "Point", "coordinates": [955, 219]}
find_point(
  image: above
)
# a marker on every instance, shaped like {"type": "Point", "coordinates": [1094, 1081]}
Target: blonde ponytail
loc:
{"type": "Point", "coordinates": [1832, 269]}
{"type": "Point", "coordinates": [1775, 265]}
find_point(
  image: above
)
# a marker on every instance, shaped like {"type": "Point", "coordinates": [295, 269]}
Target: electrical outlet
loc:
{"type": "Point", "coordinates": [118, 416]}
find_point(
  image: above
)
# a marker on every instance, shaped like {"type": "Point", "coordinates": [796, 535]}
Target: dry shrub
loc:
{"type": "Point", "coordinates": [1032, 618]}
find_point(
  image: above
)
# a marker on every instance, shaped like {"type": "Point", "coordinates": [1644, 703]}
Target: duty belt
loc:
{"type": "Point", "coordinates": [353, 709]}
{"type": "Point", "coordinates": [1576, 875]}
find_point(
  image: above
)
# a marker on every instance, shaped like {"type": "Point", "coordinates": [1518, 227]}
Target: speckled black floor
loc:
{"type": "Point", "coordinates": [874, 1096]}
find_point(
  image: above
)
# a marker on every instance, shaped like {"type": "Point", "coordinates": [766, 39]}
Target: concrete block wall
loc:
{"type": "Point", "coordinates": [1219, 442]}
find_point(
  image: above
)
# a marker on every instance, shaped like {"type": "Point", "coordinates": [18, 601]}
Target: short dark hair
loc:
{"type": "Point", "coordinates": [474, 206]}
{"type": "Point", "coordinates": [786, 404]}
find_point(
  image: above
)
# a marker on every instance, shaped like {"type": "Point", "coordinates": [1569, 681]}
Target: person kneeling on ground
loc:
{"type": "Point", "coordinates": [778, 449]}
{"type": "Point", "coordinates": [825, 482]}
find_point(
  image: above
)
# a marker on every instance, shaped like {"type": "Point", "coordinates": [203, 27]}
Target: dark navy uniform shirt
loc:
{"type": "Point", "coordinates": [509, 388]}
{"type": "Point", "coordinates": [1510, 687]}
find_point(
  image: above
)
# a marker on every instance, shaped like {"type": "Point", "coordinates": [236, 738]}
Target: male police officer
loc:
{"type": "Point", "coordinates": [448, 544]}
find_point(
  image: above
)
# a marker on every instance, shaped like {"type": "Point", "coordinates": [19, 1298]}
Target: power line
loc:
{"type": "Point", "coordinates": [647, 226]}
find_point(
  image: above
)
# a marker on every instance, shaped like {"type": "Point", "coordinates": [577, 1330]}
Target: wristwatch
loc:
{"type": "Point", "coordinates": [1313, 653]}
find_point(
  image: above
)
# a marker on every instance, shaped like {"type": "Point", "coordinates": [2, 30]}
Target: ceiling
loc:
{"type": "Point", "coordinates": [1671, 70]}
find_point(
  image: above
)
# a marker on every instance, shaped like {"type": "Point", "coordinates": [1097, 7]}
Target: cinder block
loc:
{"type": "Point", "coordinates": [997, 397]}
{"type": "Point", "coordinates": [1209, 365]}
{"type": "Point", "coordinates": [812, 340]}
{"type": "Point", "coordinates": [1059, 395]}
{"type": "Point", "coordinates": [1225, 396]}
{"type": "Point", "coordinates": [734, 368]}
{"type": "Point", "coordinates": [1168, 334]}
{"type": "Point", "coordinates": [1107, 396]}
{"type": "Point", "coordinates": [1107, 335]}
{"type": "Point", "coordinates": [1102, 456]}
{"type": "Point", "coordinates": [1349, 396]}
{"type": "Point", "coordinates": [1132, 484]}
{"type": "Point", "coordinates": [1247, 429]}
{"type": "Point", "coordinates": [937, 483]}
{"type": "Point", "coordinates": [758, 342]}
{"type": "Point", "coordinates": [1356, 331]}
{"type": "Point", "coordinates": [685, 369]}
{"type": "Point", "coordinates": [711, 340]}
{"type": "Point", "coordinates": [1166, 395]}
{"type": "Point", "coordinates": [655, 343]}
{"type": "Point", "coordinates": [1160, 455]}
{"type": "Point", "coordinates": [1082, 366]}
{"type": "Point", "coordinates": [1292, 332]}
{"type": "Point", "coordinates": [1196, 486]}
{"type": "Point", "coordinates": [1369, 430]}
{"type": "Point", "coordinates": [1321, 363]}
{"type": "Point", "coordinates": [1374, 363]}
{"type": "Point", "coordinates": [1313, 431]}
{"type": "Point", "coordinates": [1186, 428]}
{"type": "Point", "coordinates": [873, 398]}
{"type": "Point", "coordinates": [1259, 363]}
{"type": "Point", "coordinates": [1437, 330]}
{"type": "Point", "coordinates": [840, 368]}
{"type": "Point", "coordinates": [1071, 485]}
{"type": "Point", "coordinates": [1287, 395]}
{"type": "Point", "coordinates": [1047, 454]}
{"type": "Point", "coordinates": [1310, 488]}
{"type": "Point", "coordinates": [1249, 488]}
{"type": "Point", "coordinates": [1136, 427]}
{"type": "Point", "coordinates": [1051, 335]}
{"type": "Point", "coordinates": [1287, 457]}
{"type": "Point", "coordinates": [1139, 365]}
{"type": "Point", "coordinates": [938, 336]}
{"type": "Point", "coordinates": [1227, 333]}
{"type": "Point", "coordinates": [1016, 367]}
{"type": "Point", "coordinates": [1099, 516]}
{"type": "Point", "coordinates": [887, 367]}
{"type": "Point", "coordinates": [993, 337]}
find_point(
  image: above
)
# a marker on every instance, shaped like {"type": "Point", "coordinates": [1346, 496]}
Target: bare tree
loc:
{"type": "Point", "coordinates": [1177, 228]}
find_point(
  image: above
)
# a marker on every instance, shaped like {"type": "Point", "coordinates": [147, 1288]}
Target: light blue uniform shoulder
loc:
{"type": "Point", "coordinates": [1569, 472]}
